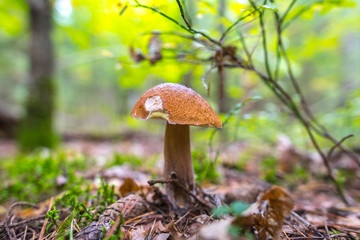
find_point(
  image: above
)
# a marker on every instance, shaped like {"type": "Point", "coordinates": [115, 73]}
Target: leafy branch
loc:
{"type": "Point", "coordinates": [301, 111]}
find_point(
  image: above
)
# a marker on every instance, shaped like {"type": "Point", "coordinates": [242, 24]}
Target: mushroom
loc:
{"type": "Point", "coordinates": [180, 106]}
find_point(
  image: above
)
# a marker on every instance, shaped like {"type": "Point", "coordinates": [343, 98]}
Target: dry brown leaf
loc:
{"type": "Point", "coordinates": [43, 206]}
{"type": "Point", "coordinates": [128, 186]}
{"type": "Point", "coordinates": [268, 213]}
{"type": "Point", "coordinates": [274, 206]}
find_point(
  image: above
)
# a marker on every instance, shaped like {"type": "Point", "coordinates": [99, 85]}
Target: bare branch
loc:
{"type": "Point", "coordinates": [183, 15]}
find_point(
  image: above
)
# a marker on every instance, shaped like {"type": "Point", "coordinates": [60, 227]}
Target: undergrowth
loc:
{"type": "Point", "coordinates": [39, 175]}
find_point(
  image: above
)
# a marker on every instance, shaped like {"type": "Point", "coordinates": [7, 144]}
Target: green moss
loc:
{"type": "Point", "coordinates": [34, 176]}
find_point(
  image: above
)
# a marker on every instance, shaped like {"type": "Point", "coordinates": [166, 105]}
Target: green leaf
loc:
{"type": "Point", "coordinates": [239, 207]}
{"type": "Point", "coordinates": [71, 230]}
{"type": "Point", "coordinates": [221, 211]}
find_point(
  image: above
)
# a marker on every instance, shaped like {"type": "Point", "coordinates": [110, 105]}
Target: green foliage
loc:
{"type": "Point", "coordinates": [269, 169]}
{"type": "Point", "coordinates": [236, 209]}
{"type": "Point", "coordinates": [120, 159]}
{"type": "Point", "coordinates": [78, 200]}
{"type": "Point", "coordinates": [105, 195]}
{"type": "Point", "coordinates": [34, 176]}
{"type": "Point", "coordinates": [204, 168]}
{"type": "Point", "coordinates": [53, 215]}
{"type": "Point", "coordinates": [299, 176]}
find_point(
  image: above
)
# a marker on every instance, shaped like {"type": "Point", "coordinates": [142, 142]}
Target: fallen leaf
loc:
{"type": "Point", "coordinates": [128, 186]}
{"type": "Point", "coordinates": [268, 213]}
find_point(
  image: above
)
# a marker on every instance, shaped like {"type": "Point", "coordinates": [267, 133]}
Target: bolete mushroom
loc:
{"type": "Point", "coordinates": [180, 106]}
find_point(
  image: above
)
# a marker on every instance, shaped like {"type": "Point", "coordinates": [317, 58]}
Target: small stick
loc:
{"type": "Point", "coordinates": [25, 232]}
{"type": "Point", "coordinates": [327, 230]}
{"type": "Point", "coordinates": [25, 221]}
{"type": "Point", "coordinates": [11, 208]}
{"type": "Point", "coordinates": [182, 217]}
{"type": "Point", "coordinates": [8, 219]}
{"type": "Point", "coordinates": [175, 181]}
{"type": "Point", "coordinates": [285, 234]}
{"type": "Point", "coordinates": [8, 233]}
{"type": "Point", "coordinates": [114, 227]}
{"type": "Point", "coordinates": [46, 220]}
{"type": "Point", "coordinates": [183, 15]}
{"type": "Point", "coordinates": [153, 182]}
{"type": "Point", "coordinates": [140, 216]}
{"type": "Point", "coordinates": [307, 224]}
{"type": "Point", "coordinates": [338, 144]}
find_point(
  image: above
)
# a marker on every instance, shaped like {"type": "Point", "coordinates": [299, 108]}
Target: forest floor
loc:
{"type": "Point", "coordinates": [282, 201]}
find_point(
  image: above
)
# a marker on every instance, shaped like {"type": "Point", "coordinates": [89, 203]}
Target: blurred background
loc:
{"type": "Point", "coordinates": [97, 55]}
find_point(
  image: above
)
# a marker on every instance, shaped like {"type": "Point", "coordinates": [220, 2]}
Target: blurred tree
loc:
{"type": "Point", "coordinates": [37, 127]}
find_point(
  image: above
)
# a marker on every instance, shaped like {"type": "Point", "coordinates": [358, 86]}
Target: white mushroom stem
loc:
{"type": "Point", "coordinates": [178, 161]}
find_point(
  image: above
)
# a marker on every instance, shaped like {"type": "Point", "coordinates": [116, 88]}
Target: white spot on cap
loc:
{"type": "Point", "coordinates": [153, 104]}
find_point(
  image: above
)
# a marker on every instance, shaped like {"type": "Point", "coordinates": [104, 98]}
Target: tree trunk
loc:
{"type": "Point", "coordinates": [37, 127]}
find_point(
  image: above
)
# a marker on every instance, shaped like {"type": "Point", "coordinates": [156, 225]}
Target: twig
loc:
{"type": "Point", "coordinates": [190, 30]}
{"type": "Point", "coordinates": [46, 220]}
{"type": "Point", "coordinates": [338, 144]}
{"type": "Point", "coordinates": [25, 221]}
{"type": "Point", "coordinates": [288, 10]}
{"type": "Point", "coordinates": [182, 217]}
{"type": "Point", "coordinates": [182, 35]}
{"type": "Point", "coordinates": [7, 230]}
{"type": "Point", "coordinates": [263, 32]}
{"type": "Point", "coordinates": [162, 14]}
{"type": "Point", "coordinates": [114, 227]}
{"type": "Point", "coordinates": [183, 15]}
{"type": "Point", "coordinates": [327, 230]}
{"type": "Point", "coordinates": [233, 25]}
{"type": "Point", "coordinates": [285, 234]}
{"type": "Point", "coordinates": [153, 182]}
{"type": "Point", "coordinates": [307, 224]}
{"type": "Point", "coordinates": [11, 208]}
{"type": "Point", "coordinates": [25, 232]}
{"type": "Point", "coordinates": [176, 182]}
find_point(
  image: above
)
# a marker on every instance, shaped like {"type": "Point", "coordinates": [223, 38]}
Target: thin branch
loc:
{"type": "Point", "coordinates": [183, 35]}
{"type": "Point", "coordinates": [298, 14]}
{"type": "Point", "coordinates": [233, 25]}
{"type": "Point", "coordinates": [243, 43]}
{"type": "Point", "coordinates": [183, 15]}
{"type": "Point", "coordinates": [263, 32]}
{"type": "Point", "coordinates": [338, 144]}
{"type": "Point", "coordinates": [190, 30]}
{"type": "Point", "coordinates": [314, 124]}
{"type": "Point", "coordinates": [304, 115]}
{"type": "Point", "coordinates": [288, 10]}
{"type": "Point", "coordinates": [174, 180]}
{"type": "Point", "coordinates": [162, 14]}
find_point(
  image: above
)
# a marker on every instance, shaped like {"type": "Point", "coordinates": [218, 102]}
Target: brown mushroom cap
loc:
{"type": "Point", "coordinates": [177, 104]}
